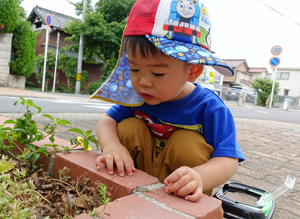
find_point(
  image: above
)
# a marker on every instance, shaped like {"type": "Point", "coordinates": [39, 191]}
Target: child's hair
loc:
{"type": "Point", "coordinates": [144, 46]}
{"type": "Point", "coordinates": [141, 44]}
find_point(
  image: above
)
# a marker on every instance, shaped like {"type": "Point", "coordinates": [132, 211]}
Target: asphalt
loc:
{"type": "Point", "coordinates": [272, 151]}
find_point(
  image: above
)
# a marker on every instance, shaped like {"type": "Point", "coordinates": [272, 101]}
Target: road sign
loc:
{"type": "Point", "coordinates": [48, 28]}
{"type": "Point", "coordinates": [276, 50]}
{"type": "Point", "coordinates": [274, 61]}
{"type": "Point", "coordinates": [48, 19]}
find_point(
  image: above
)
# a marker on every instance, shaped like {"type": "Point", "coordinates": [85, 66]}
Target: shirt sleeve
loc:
{"type": "Point", "coordinates": [220, 132]}
{"type": "Point", "coordinates": [118, 112]}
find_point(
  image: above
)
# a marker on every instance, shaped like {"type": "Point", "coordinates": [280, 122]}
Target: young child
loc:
{"type": "Point", "coordinates": [163, 123]}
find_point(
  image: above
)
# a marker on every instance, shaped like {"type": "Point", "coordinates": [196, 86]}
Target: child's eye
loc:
{"type": "Point", "coordinates": [157, 75]}
{"type": "Point", "coordinates": [135, 70]}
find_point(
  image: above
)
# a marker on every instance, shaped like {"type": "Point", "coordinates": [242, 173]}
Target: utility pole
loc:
{"type": "Point", "coordinates": [45, 60]}
{"type": "Point", "coordinates": [55, 69]}
{"type": "Point", "coordinates": [79, 65]}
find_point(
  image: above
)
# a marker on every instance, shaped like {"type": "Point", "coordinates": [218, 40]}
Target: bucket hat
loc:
{"type": "Point", "coordinates": [181, 29]}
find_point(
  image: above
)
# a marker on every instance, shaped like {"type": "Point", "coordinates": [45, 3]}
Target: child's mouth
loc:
{"type": "Point", "coordinates": [146, 96]}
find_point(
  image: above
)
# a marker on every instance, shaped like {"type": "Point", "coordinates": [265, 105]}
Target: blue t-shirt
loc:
{"type": "Point", "coordinates": [201, 111]}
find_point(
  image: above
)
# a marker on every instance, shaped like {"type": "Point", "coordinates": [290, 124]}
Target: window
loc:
{"type": "Point", "coordinates": [284, 75]}
{"type": "Point", "coordinates": [286, 92]}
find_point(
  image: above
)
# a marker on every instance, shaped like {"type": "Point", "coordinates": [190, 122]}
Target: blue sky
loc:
{"type": "Point", "coordinates": [242, 29]}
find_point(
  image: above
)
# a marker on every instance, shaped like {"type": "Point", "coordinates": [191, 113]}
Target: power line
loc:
{"type": "Point", "coordinates": [288, 8]}
{"type": "Point", "coordinates": [279, 13]}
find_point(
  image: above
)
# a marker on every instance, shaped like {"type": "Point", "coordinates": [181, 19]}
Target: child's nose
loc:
{"type": "Point", "coordinates": [145, 81]}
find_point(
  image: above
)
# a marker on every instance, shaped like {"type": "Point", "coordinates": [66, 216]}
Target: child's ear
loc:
{"type": "Point", "coordinates": [195, 72]}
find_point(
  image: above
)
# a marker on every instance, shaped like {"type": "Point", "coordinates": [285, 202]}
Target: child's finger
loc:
{"type": "Point", "coordinates": [128, 167]}
{"type": "Point", "coordinates": [99, 160]}
{"type": "Point", "coordinates": [194, 196]}
{"type": "Point", "coordinates": [178, 185]}
{"type": "Point", "coordinates": [120, 166]}
{"type": "Point", "coordinates": [110, 164]}
{"type": "Point", "coordinates": [175, 176]}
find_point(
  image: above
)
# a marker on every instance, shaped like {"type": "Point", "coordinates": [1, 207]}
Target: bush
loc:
{"type": "Point", "coordinates": [93, 86]}
{"type": "Point", "coordinates": [24, 41]}
{"type": "Point", "coordinates": [8, 16]}
{"type": "Point", "coordinates": [263, 86]}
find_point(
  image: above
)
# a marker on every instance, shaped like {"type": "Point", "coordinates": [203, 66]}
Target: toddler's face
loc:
{"type": "Point", "coordinates": [158, 79]}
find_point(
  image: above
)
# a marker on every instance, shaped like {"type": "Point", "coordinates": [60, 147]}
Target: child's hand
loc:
{"type": "Point", "coordinates": [185, 182]}
{"type": "Point", "coordinates": [118, 155]}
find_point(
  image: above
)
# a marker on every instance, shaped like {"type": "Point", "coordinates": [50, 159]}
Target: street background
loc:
{"type": "Point", "coordinates": [269, 138]}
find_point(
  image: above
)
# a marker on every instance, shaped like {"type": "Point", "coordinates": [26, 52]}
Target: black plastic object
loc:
{"type": "Point", "coordinates": [233, 209]}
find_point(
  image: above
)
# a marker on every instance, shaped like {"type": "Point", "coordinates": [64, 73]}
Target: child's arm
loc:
{"type": "Point", "coordinates": [191, 182]}
{"type": "Point", "coordinates": [113, 150]}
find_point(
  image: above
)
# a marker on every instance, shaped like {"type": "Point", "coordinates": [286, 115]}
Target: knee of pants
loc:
{"type": "Point", "coordinates": [187, 148]}
{"type": "Point", "coordinates": [130, 126]}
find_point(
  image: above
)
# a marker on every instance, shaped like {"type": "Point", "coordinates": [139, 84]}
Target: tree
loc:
{"type": "Point", "coordinates": [21, 10]}
{"type": "Point", "coordinates": [8, 16]}
{"type": "Point", "coordinates": [102, 30]}
{"type": "Point", "coordinates": [68, 65]}
{"type": "Point", "coordinates": [263, 86]}
{"type": "Point", "coordinates": [24, 41]}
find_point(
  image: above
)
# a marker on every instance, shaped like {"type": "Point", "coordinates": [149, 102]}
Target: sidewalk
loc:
{"type": "Point", "coordinates": [272, 151]}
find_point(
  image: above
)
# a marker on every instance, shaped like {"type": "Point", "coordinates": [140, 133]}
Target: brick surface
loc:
{"type": "Point", "coordinates": [206, 207]}
{"type": "Point", "coordinates": [84, 161]}
{"type": "Point", "coordinates": [133, 207]}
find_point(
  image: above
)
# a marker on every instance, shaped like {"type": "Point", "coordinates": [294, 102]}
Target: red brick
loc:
{"type": "Point", "coordinates": [134, 207]}
{"type": "Point", "coordinates": [84, 161]}
{"type": "Point", "coordinates": [206, 207]}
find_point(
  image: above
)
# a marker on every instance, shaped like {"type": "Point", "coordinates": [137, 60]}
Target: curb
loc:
{"type": "Point", "coordinates": [137, 196]}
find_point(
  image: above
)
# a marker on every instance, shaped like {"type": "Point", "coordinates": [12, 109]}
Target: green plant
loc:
{"type": "Point", "coordinates": [263, 86]}
{"type": "Point", "coordinates": [24, 131]}
{"type": "Point", "coordinates": [24, 41]}
{"type": "Point", "coordinates": [8, 16]}
{"type": "Point", "coordinates": [17, 197]}
{"type": "Point", "coordinates": [93, 86]}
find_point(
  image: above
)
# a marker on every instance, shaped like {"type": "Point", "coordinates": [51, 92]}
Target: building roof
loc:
{"type": "Point", "coordinates": [234, 63]}
{"type": "Point", "coordinates": [257, 70]}
{"type": "Point", "coordinates": [58, 20]}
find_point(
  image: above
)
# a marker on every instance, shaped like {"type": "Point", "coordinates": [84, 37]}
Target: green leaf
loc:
{"type": "Point", "coordinates": [49, 117]}
{"type": "Point", "coordinates": [15, 103]}
{"type": "Point", "coordinates": [31, 147]}
{"type": "Point", "coordinates": [35, 156]}
{"type": "Point", "coordinates": [64, 122]}
{"type": "Point", "coordinates": [87, 133]}
{"type": "Point", "coordinates": [23, 100]}
{"type": "Point", "coordinates": [79, 131]}
{"type": "Point", "coordinates": [93, 139]}
{"type": "Point", "coordinates": [38, 108]}
{"type": "Point", "coordinates": [27, 156]}
{"type": "Point", "coordinates": [86, 145]}
{"type": "Point", "coordinates": [43, 150]}
{"type": "Point", "coordinates": [51, 138]}
{"type": "Point", "coordinates": [10, 121]}
{"type": "Point", "coordinates": [5, 166]}
{"type": "Point", "coordinates": [30, 103]}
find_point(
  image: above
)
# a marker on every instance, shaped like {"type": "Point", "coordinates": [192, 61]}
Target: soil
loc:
{"type": "Point", "coordinates": [62, 198]}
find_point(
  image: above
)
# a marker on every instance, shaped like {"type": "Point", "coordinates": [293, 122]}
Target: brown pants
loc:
{"type": "Point", "coordinates": [183, 148]}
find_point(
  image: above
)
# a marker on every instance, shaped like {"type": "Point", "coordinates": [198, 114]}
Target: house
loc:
{"type": "Point", "coordinates": [243, 74]}
{"type": "Point", "coordinates": [289, 80]}
{"type": "Point", "coordinates": [37, 18]}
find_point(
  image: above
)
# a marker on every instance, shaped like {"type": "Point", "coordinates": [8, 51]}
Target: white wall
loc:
{"type": "Point", "coordinates": [292, 84]}
{"type": "Point", "coordinates": [5, 52]}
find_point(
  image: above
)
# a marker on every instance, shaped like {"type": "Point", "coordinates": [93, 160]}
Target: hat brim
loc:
{"type": "Point", "coordinates": [117, 87]}
{"type": "Point", "coordinates": [190, 53]}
